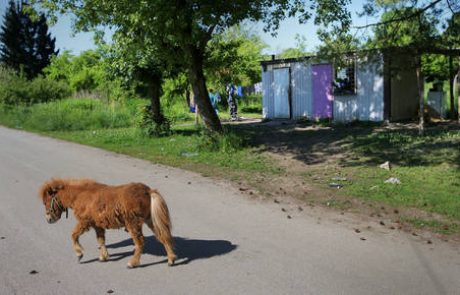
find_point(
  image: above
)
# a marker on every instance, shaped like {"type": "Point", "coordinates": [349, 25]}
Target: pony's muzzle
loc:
{"type": "Point", "coordinates": [50, 219]}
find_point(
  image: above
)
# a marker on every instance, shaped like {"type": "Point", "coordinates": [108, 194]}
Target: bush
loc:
{"type": "Point", "coordinates": [150, 127]}
{"type": "Point", "coordinates": [227, 142]}
{"type": "Point", "coordinates": [16, 89]}
{"type": "Point", "coordinates": [42, 90]}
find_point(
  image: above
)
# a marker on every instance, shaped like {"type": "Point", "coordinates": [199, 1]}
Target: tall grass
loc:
{"type": "Point", "coordinates": [71, 114]}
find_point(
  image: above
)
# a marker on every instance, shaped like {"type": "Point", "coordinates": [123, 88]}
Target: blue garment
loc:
{"type": "Point", "coordinates": [240, 91]}
{"type": "Point", "coordinates": [214, 98]}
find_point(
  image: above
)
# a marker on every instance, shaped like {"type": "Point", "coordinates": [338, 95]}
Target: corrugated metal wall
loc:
{"type": "Point", "coordinates": [370, 90]}
{"type": "Point", "coordinates": [301, 89]}
{"type": "Point", "coordinates": [268, 104]}
{"type": "Point", "coordinates": [281, 88]}
{"type": "Point", "coordinates": [367, 103]}
{"type": "Point", "coordinates": [345, 108]}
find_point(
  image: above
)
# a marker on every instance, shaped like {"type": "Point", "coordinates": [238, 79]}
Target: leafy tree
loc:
{"type": "Point", "coordinates": [84, 72]}
{"type": "Point", "coordinates": [435, 67]}
{"type": "Point", "coordinates": [413, 32]}
{"type": "Point", "coordinates": [87, 74]}
{"type": "Point", "coordinates": [26, 44]}
{"type": "Point", "coordinates": [299, 50]}
{"type": "Point", "coordinates": [234, 56]}
{"type": "Point", "coordinates": [138, 66]}
{"type": "Point", "coordinates": [180, 30]}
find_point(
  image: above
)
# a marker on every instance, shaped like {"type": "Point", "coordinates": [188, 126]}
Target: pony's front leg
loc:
{"type": "Point", "coordinates": [138, 239]}
{"type": "Point", "coordinates": [79, 229]}
{"type": "Point", "coordinates": [100, 234]}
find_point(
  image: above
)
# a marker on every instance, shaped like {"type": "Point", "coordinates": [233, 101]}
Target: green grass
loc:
{"type": "Point", "coordinates": [70, 115]}
{"type": "Point", "coordinates": [404, 147]}
{"type": "Point", "coordinates": [435, 189]}
{"type": "Point", "coordinates": [187, 147]}
{"type": "Point", "coordinates": [427, 166]}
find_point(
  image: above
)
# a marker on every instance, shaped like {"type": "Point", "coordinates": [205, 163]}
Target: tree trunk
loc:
{"type": "Point", "coordinates": [155, 94]}
{"type": "Point", "coordinates": [187, 96]}
{"type": "Point", "coordinates": [421, 126]}
{"type": "Point", "coordinates": [196, 76]}
{"type": "Point", "coordinates": [451, 88]}
{"type": "Point", "coordinates": [458, 105]}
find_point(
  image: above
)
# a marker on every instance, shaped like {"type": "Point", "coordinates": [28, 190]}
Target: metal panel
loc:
{"type": "Point", "coordinates": [267, 94]}
{"type": "Point", "coordinates": [302, 95]}
{"type": "Point", "coordinates": [436, 100]}
{"type": "Point", "coordinates": [281, 92]}
{"type": "Point", "coordinates": [322, 90]}
{"type": "Point", "coordinates": [370, 90]}
{"type": "Point", "coordinates": [367, 103]}
{"type": "Point", "coordinates": [345, 108]}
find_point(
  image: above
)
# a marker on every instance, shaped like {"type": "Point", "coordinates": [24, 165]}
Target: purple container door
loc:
{"type": "Point", "coordinates": [322, 90]}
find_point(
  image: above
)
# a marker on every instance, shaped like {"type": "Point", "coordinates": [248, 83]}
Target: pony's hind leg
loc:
{"type": "Point", "coordinates": [79, 229]}
{"type": "Point", "coordinates": [167, 244]}
{"type": "Point", "coordinates": [138, 238]}
{"type": "Point", "coordinates": [100, 234]}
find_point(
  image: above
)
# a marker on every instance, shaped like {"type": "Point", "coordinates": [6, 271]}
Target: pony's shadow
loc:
{"type": "Point", "coordinates": [186, 250]}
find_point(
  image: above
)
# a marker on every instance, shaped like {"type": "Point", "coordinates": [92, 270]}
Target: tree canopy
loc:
{"type": "Point", "coordinates": [299, 50]}
{"type": "Point", "coordinates": [234, 56]}
{"type": "Point", "coordinates": [421, 25]}
{"type": "Point", "coordinates": [26, 44]}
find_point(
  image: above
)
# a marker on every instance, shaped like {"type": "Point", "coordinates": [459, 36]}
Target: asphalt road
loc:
{"type": "Point", "coordinates": [227, 242]}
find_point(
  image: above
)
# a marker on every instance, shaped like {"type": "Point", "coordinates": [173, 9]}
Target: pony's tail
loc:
{"type": "Point", "coordinates": [162, 223]}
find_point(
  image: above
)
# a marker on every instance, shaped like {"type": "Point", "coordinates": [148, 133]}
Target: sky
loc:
{"type": "Point", "coordinates": [285, 38]}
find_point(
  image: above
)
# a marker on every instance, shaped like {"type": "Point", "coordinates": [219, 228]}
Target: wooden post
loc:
{"type": "Point", "coordinates": [451, 88]}
{"type": "Point", "coordinates": [458, 90]}
{"type": "Point", "coordinates": [421, 127]}
{"type": "Point", "coordinates": [197, 116]}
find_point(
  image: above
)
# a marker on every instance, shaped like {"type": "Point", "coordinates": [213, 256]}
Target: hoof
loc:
{"type": "Point", "coordinates": [79, 257]}
{"type": "Point", "coordinates": [131, 265]}
{"type": "Point", "coordinates": [171, 260]}
{"type": "Point", "coordinates": [103, 259]}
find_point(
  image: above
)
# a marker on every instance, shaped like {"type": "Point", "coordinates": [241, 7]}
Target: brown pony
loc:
{"type": "Point", "coordinates": [102, 207]}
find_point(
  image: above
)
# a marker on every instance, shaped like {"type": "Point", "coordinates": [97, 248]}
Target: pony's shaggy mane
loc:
{"type": "Point", "coordinates": [59, 183]}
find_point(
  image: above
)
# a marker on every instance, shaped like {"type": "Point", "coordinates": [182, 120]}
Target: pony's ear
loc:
{"type": "Point", "coordinates": [52, 190]}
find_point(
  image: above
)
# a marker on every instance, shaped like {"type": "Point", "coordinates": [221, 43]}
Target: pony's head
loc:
{"type": "Point", "coordinates": [49, 193]}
